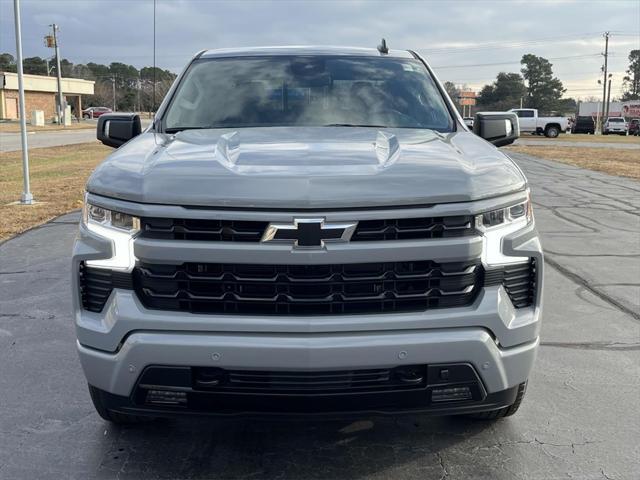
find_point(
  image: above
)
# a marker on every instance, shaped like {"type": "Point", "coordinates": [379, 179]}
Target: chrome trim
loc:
{"type": "Point", "coordinates": [272, 229]}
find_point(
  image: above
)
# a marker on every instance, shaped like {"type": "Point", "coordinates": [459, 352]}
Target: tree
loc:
{"type": "Point", "coordinates": [631, 81]}
{"type": "Point", "coordinates": [34, 66]}
{"type": "Point", "coordinates": [505, 93]}
{"type": "Point", "coordinates": [543, 89]}
{"type": "Point", "coordinates": [7, 63]}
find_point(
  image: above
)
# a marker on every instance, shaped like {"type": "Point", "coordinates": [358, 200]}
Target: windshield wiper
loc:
{"type": "Point", "coordinates": [179, 129]}
{"type": "Point", "coordinates": [355, 125]}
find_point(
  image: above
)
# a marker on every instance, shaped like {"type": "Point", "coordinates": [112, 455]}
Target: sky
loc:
{"type": "Point", "coordinates": [466, 41]}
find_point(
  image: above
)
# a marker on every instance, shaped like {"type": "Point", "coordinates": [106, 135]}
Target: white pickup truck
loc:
{"type": "Point", "coordinates": [532, 123]}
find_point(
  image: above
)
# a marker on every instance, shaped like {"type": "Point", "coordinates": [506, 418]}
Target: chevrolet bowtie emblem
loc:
{"type": "Point", "coordinates": [309, 232]}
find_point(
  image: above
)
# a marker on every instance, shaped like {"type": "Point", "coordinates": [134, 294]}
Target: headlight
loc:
{"type": "Point", "coordinates": [120, 228]}
{"type": "Point", "coordinates": [497, 224]}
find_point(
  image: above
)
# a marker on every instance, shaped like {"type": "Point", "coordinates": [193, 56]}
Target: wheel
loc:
{"type": "Point", "coordinates": [505, 411]}
{"type": "Point", "coordinates": [114, 417]}
{"type": "Point", "coordinates": [552, 132]}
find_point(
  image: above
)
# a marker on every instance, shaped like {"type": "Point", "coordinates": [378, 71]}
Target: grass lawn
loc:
{"type": "Point", "coordinates": [58, 177]}
{"type": "Point", "coordinates": [625, 163]}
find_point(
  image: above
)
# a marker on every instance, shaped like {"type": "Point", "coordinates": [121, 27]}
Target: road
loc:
{"type": "Point", "coordinates": [10, 142]}
{"type": "Point", "coordinates": [579, 419]}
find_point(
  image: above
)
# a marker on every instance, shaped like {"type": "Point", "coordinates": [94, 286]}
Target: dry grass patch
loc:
{"type": "Point", "coordinates": [625, 163]}
{"type": "Point", "coordinates": [58, 176]}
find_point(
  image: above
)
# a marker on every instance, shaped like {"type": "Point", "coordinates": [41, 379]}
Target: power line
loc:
{"type": "Point", "coordinates": [511, 63]}
{"type": "Point", "coordinates": [500, 45]}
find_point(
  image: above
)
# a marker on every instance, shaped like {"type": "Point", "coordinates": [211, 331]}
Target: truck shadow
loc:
{"type": "Point", "coordinates": [373, 447]}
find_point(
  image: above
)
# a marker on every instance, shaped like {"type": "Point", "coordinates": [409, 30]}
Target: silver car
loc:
{"type": "Point", "coordinates": [307, 231]}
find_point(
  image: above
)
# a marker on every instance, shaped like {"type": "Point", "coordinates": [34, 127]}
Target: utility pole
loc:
{"type": "Point", "coordinates": [60, 107]}
{"type": "Point", "coordinates": [138, 94]}
{"type": "Point", "coordinates": [608, 97]}
{"type": "Point", "coordinates": [26, 197]}
{"type": "Point", "coordinates": [604, 86]}
{"type": "Point", "coordinates": [113, 85]}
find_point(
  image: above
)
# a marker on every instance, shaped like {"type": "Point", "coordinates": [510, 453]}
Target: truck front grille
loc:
{"type": "Point", "coordinates": [291, 382]}
{"type": "Point", "coordinates": [307, 289]}
{"type": "Point", "coordinates": [251, 231]}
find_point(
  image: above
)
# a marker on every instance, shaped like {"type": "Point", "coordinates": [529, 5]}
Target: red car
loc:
{"type": "Point", "coordinates": [95, 112]}
{"type": "Point", "coordinates": [634, 127]}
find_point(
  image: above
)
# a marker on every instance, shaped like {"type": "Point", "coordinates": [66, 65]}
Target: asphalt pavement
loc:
{"type": "Point", "coordinates": [558, 142]}
{"type": "Point", "coordinates": [579, 419]}
{"type": "Point", "coordinates": [10, 142]}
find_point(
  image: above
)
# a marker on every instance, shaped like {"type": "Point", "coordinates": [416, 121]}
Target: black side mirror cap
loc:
{"type": "Point", "coordinates": [115, 129]}
{"type": "Point", "coordinates": [499, 128]}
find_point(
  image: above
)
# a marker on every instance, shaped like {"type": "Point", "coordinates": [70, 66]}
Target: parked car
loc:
{"type": "Point", "coordinates": [615, 125]}
{"type": "Point", "coordinates": [584, 125]}
{"type": "Point", "coordinates": [532, 123]}
{"type": "Point", "coordinates": [307, 230]}
{"type": "Point", "coordinates": [634, 127]}
{"type": "Point", "coordinates": [95, 112]}
{"type": "Point", "coordinates": [468, 121]}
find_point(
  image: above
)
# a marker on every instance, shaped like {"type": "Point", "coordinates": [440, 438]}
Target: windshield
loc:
{"type": "Point", "coordinates": [307, 91]}
{"type": "Point", "coordinates": [616, 119]}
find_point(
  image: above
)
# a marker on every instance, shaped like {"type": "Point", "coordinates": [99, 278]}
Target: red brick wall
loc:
{"type": "Point", "coordinates": [44, 101]}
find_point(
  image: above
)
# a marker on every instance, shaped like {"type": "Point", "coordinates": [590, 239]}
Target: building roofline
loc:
{"type": "Point", "coordinates": [29, 75]}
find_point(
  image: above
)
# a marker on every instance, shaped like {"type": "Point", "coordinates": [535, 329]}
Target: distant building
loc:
{"type": "Point", "coordinates": [630, 109]}
{"type": "Point", "coordinates": [40, 94]}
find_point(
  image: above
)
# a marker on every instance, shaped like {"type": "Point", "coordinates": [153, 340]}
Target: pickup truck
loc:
{"type": "Point", "coordinates": [530, 122]}
{"type": "Point", "coordinates": [307, 231]}
{"type": "Point", "coordinates": [615, 125]}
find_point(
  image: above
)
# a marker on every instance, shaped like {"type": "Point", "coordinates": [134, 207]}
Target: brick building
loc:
{"type": "Point", "coordinates": [40, 94]}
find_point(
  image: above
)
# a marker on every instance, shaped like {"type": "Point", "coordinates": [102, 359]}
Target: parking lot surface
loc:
{"type": "Point", "coordinates": [10, 142]}
{"type": "Point", "coordinates": [533, 141]}
{"type": "Point", "coordinates": [579, 420]}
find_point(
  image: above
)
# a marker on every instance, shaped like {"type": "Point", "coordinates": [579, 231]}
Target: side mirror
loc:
{"type": "Point", "coordinates": [115, 129]}
{"type": "Point", "coordinates": [499, 128]}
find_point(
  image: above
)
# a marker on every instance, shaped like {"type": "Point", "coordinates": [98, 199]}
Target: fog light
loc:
{"type": "Point", "coordinates": [453, 394]}
{"type": "Point", "coordinates": [166, 397]}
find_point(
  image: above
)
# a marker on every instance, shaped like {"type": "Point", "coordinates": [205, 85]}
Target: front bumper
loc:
{"type": "Point", "coordinates": [499, 341]}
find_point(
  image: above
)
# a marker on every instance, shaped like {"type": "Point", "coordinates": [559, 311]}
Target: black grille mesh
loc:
{"type": "Point", "coordinates": [251, 231]}
{"type": "Point", "coordinates": [307, 289]}
{"type": "Point", "coordinates": [519, 281]}
{"type": "Point", "coordinates": [96, 284]}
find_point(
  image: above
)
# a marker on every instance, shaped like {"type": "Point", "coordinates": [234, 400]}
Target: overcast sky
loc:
{"type": "Point", "coordinates": [457, 37]}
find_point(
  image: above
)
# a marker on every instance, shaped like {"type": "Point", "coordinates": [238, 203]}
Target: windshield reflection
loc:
{"type": "Point", "coordinates": [307, 91]}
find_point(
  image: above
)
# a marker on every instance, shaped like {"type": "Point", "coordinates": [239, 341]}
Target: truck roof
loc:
{"type": "Point", "coordinates": [301, 50]}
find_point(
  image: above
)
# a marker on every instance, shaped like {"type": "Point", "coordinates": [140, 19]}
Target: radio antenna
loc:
{"type": "Point", "coordinates": [382, 48]}
{"type": "Point", "coordinates": [154, 58]}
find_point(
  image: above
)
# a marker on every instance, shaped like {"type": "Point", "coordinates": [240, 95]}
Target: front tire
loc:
{"type": "Point", "coordinates": [505, 411]}
{"type": "Point", "coordinates": [111, 416]}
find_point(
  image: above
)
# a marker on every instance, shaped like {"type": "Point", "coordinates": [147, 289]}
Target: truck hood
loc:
{"type": "Point", "coordinates": [306, 167]}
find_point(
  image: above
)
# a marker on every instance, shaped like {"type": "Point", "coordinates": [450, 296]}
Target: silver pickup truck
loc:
{"type": "Point", "coordinates": [307, 231]}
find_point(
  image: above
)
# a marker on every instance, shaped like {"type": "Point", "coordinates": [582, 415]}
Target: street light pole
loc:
{"type": "Point", "coordinates": [26, 197]}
